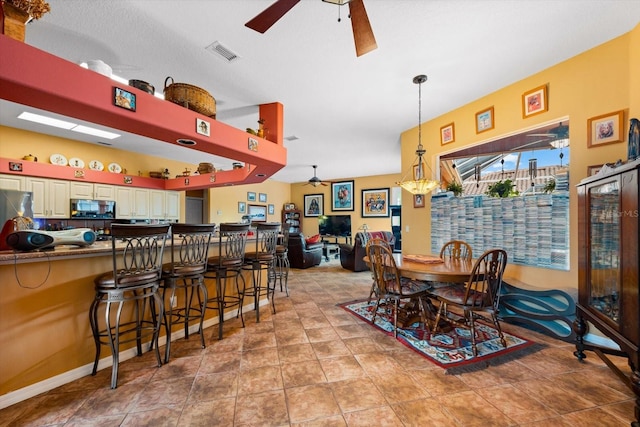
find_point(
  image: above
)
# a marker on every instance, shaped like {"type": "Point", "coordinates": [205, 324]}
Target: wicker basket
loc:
{"type": "Point", "coordinates": [191, 97]}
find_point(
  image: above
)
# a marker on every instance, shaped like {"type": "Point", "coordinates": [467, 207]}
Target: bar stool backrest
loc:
{"type": "Point", "coordinates": [192, 243]}
{"type": "Point", "coordinates": [140, 263]}
{"type": "Point", "coordinates": [232, 244]}
{"type": "Point", "coordinates": [267, 237]}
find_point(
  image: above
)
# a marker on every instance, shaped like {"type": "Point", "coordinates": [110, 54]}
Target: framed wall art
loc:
{"type": "Point", "coordinates": [271, 209]}
{"type": "Point", "coordinates": [447, 134]}
{"type": "Point", "coordinates": [375, 202]}
{"type": "Point", "coordinates": [418, 200]}
{"type": "Point", "coordinates": [313, 204]}
{"type": "Point", "coordinates": [593, 169]}
{"type": "Point", "coordinates": [534, 101]}
{"type": "Point", "coordinates": [124, 99]}
{"type": "Point", "coordinates": [342, 196]}
{"type": "Point", "coordinates": [605, 129]}
{"type": "Point", "coordinates": [257, 213]}
{"type": "Point", "coordinates": [242, 207]}
{"type": "Point", "coordinates": [484, 120]}
{"type": "Point", "coordinates": [251, 196]}
{"type": "Point", "coordinates": [262, 197]}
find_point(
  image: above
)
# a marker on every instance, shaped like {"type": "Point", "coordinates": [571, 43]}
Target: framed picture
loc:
{"type": "Point", "coordinates": [242, 207]}
{"type": "Point", "coordinates": [262, 197]}
{"type": "Point", "coordinates": [124, 99]}
{"type": "Point", "coordinates": [342, 196]}
{"type": "Point", "coordinates": [418, 200]}
{"type": "Point", "coordinates": [271, 209]}
{"type": "Point", "coordinates": [484, 120]}
{"type": "Point", "coordinates": [313, 204]}
{"type": "Point", "coordinates": [257, 213]}
{"type": "Point", "coordinates": [605, 129]}
{"type": "Point", "coordinates": [417, 173]}
{"type": "Point", "coordinates": [289, 206]}
{"type": "Point", "coordinates": [203, 127]}
{"type": "Point", "coordinates": [375, 202]}
{"type": "Point", "coordinates": [593, 169]}
{"type": "Point", "coordinates": [15, 166]}
{"type": "Point", "coordinates": [447, 134]}
{"type": "Point", "coordinates": [251, 196]}
{"type": "Point", "coordinates": [534, 102]}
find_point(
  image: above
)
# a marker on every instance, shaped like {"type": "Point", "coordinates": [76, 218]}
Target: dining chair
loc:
{"type": "Point", "coordinates": [456, 249]}
{"type": "Point", "coordinates": [185, 274]}
{"type": "Point", "coordinates": [478, 298]}
{"type": "Point", "coordinates": [132, 286]}
{"type": "Point", "coordinates": [379, 241]}
{"type": "Point", "coordinates": [227, 265]}
{"type": "Point", "coordinates": [390, 286]}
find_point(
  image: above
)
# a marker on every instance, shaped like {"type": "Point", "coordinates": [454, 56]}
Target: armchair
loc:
{"type": "Point", "coordinates": [351, 255]}
{"type": "Point", "coordinates": [301, 254]}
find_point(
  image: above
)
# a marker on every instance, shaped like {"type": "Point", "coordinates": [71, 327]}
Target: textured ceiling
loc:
{"type": "Point", "coordinates": [346, 111]}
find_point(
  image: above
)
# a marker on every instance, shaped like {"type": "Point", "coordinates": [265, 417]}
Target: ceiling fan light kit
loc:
{"type": "Point", "coordinates": [315, 181]}
{"type": "Point", "coordinates": [419, 184]}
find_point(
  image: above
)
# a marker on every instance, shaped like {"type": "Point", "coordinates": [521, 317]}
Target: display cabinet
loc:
{"type": "Point", "coordinates": [608, 294]}
{"type": "Point", "coordinates": [293, 219]}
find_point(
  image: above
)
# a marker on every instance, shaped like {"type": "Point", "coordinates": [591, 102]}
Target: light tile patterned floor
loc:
{"type": "Point", "coordinates": [313, 364]}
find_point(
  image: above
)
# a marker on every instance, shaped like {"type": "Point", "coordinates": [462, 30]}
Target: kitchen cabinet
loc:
{"type": "Point", "coordinates": [12, 182]}
{"type": "Point", "coordinates": [132, 203]}
{"type": "Point", "coordinates": [608, 272]}
{"type": "Point", "coordinates": [89, 190]}
{"type": "Point", "coordinates": [50, 197]}
{"type": "Point", "coordinates": [164, 205]}
{"type": "Point", "coordinates": [292, 218]}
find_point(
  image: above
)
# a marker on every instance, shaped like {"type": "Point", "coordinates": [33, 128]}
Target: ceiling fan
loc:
{"type": "Point", "coordinates": [315, 181]}
{"type": "Point", "coordinates": [362, 33]}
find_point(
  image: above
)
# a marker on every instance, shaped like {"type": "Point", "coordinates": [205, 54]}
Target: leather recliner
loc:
{"type": "Point", "coordinates": [303, 255]}
{"type": "Point", "coordinates": [351, 255]}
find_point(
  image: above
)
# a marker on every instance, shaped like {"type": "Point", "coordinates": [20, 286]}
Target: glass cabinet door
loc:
{"type": "Point", "coordinates": [604, 244]}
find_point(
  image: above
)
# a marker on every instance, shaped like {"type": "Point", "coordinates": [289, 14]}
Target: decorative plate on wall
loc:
{"type": "Point", "coordinates": [96, 165]}
{"type": "Point", "coordinates": [114, 168]}
{"type": "Point", "coordinates": [75, 162]}
{"type": "Point", "coordinates": [58, 159]}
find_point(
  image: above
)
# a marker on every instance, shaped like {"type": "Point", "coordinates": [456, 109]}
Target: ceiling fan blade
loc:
{"type": "Point", "coordinates": [362, 32]}
{"type": "Point", "coordinates": [265, 19]}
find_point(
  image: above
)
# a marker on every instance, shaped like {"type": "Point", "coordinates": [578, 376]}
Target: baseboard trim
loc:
{"type": "Point", "coordinates": [44, 386]}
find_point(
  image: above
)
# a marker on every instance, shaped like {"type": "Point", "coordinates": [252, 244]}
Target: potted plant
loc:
{"type": "Point", "coordinates": [501, 189]}
{"type": "Point", "coordinates": [550, 186]}
{"type": "Point", "coordinates": [16, 14]}
{"type": "Point", "coordinates": [455, 188]}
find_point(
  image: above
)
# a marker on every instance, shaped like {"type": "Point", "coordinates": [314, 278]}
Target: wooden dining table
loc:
{"type": "Point", "coordinates": [448, 271]}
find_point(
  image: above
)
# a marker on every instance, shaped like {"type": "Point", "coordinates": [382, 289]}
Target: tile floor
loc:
{"type": "Point", "coordinates": [313, 364]}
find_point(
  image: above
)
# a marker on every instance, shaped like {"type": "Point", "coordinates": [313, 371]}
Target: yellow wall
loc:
{"type": "Point", "coordinates": [310, 225]}
{"type": "Point", "coordinates": [601, 80]}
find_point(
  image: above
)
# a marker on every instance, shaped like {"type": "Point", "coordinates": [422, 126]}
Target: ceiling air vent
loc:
{"type": "Point", "coordinates": [226, 53]}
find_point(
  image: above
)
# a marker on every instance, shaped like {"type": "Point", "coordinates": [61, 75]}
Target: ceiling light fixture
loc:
{"type": "Point", "coordinates": [419, 184]}
{"type": "Point", "coordinates": [62, 124]}
{"type": "Point", "coordinates": [95, 132]}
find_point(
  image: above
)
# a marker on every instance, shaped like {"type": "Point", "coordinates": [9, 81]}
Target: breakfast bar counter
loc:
{"type": "Point", "coordinates": [44, 316]}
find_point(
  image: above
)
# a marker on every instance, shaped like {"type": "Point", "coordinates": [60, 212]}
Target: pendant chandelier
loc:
{"type": "Point", "coordinates": [420, 184]}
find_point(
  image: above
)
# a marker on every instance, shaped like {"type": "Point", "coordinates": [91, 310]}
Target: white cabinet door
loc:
{"type": "Point", "coordinates": [81, 190]}
{"type": "Point", "coordinates": [132, 203]}
{"type": "Point", "coordinates": [50, 197]}
{"type": "Point", "coordinates": [172, 206]}
{"type": "Point", "coordinates": [104, 192]}
{"type": "Point", "coordinates": [157, 202]}
{"type": "Point", "coordinates": [12, 182]}
{"type": "Point", "coordinates": [88, 190]}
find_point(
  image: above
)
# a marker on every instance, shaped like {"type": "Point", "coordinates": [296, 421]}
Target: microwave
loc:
{"type": "Point", "coordinates": [93, 209]}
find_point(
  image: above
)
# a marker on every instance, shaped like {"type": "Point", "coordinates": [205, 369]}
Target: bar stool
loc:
{"type": "Point", "coordinates": [228, 265]}
{"type": "Point", "coordinates": [281, 269]}
{"type": "Point", "coordinates": [260, 260]}
{"type": "Point", "coordinates": [189, 252]}
{"type": "Point", "coordinates": [133, 281]}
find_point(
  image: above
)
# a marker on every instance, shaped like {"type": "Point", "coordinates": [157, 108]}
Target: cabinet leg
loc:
{"type": "Point", "coordinates": [635, 386]}
{"type": "Point", "coordinates": [580, 327]}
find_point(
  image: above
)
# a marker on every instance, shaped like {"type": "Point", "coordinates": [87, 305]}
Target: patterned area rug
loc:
{"type": "Point", "coordinates": [446, 349]}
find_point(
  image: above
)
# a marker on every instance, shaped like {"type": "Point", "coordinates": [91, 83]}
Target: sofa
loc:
{"type": "Point", "coordinates": [351, 255]}
{"type": "Point", "coordinates": [303, 254]}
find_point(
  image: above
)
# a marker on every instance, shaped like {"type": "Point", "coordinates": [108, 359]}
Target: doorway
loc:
{"type": "Point", "coordinates": [195, 207]}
